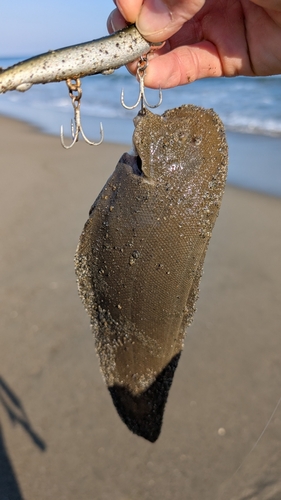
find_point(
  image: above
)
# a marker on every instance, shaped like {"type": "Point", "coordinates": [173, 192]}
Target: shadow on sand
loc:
{"type": "Point", "coordinates": [9, 488]}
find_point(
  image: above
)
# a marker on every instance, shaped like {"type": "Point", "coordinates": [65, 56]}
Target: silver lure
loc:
{"type": "Point", "coordinates": [97, 56]}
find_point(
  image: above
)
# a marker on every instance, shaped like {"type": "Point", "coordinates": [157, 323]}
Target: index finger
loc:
{"type": "Point", "coordinates": [129, 9]}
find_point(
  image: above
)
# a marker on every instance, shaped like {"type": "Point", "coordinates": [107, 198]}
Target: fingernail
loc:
{"type": "Point", "coordinates": [110, 24]}
{"type": "Point", "coordinates": [154, 17]}
{"type": "Point", "coordinates": [115, 21]}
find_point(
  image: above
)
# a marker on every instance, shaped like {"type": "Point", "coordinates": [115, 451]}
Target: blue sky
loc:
{"type": "Point", "coordinates": [35, 26]}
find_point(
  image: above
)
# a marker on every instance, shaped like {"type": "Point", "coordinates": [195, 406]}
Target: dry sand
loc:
{"type": "Point", "coordinates": [61, 436]}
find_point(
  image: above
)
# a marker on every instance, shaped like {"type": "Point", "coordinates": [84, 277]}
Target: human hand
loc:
{"type": "Point", "coordinates": [205, 38]}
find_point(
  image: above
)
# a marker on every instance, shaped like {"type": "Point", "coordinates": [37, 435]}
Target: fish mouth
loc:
{"type": "Point", "coordinates": [132, 159]}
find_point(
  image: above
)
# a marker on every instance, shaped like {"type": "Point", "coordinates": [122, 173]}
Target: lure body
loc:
{"type": "Point", "coordinates": [141, 253]}
{"type": "Point", "coordinates": [97, 56]}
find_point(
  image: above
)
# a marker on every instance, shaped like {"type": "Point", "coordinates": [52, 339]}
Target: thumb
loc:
{"type": "Point", "coordinates": [160, 19]}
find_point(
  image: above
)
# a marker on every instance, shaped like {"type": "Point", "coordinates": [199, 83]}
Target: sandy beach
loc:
{"type": "Point", "coordinates": [60, 435]}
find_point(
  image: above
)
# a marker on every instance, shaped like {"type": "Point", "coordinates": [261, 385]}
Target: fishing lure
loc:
{"type": "Point", "coordinates": [103, 55]}
{"type": "Point", "coordinates": [140, 256]}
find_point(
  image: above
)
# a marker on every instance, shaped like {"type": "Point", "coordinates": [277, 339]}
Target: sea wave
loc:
{"type": "Point", "coordinates": [247, 105]}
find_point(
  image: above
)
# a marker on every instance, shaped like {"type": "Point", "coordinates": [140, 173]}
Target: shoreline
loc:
{"type": "Point", "coordinates": [254, 160]}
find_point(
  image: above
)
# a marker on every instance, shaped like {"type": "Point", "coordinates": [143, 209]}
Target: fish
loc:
{"type": "Point", "coordinates": [140, 256]}
{"type": "Point", "coordinates": [102, 55]}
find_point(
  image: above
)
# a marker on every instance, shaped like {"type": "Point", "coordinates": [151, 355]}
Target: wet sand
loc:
{"type": "Point", "coordinates": [60, 436]}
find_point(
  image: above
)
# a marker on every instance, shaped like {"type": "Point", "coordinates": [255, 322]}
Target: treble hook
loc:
{"type": "Point", "coordinates": [142, 65]}
{"type": "Point", "coordinates": [76, 87]}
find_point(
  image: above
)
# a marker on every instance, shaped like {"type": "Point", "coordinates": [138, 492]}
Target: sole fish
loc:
{"type": "Point", "coordinates": [140, 256]}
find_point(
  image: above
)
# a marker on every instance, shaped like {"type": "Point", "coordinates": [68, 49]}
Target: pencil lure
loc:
{"type": "Point", "coordinates": [140, 256]}
{"type": "Point", "coordinates": [97, 56]}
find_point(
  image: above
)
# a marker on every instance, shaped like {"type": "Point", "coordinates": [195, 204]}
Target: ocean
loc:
{"type": "Point", "coordinates": [245, 105]}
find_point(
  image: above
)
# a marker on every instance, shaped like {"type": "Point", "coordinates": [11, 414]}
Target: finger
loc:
{"type": "Point", "coordinates": [129, 9]}
{"type": "Point", "coordinates": [158, 20]}
{"type": "Point", "coordinates": [183, 65]}
{"type": "Point", "coordinates": [115, 21]}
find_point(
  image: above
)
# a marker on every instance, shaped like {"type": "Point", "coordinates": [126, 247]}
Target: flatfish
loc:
{"type": "Point", "coordinates": [140, 256]}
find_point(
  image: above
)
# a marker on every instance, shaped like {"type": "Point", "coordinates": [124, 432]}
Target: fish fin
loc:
{"type": "Point", "coordinates": [143, 414]}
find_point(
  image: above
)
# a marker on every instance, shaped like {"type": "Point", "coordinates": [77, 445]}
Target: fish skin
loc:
{"type": "Point", "coordinates": [140, 256]}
